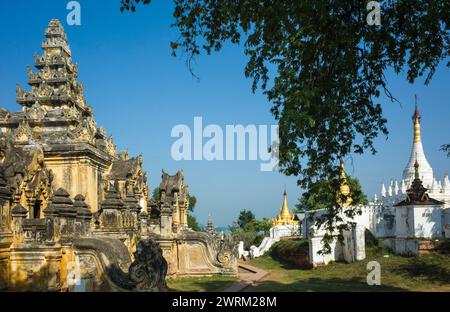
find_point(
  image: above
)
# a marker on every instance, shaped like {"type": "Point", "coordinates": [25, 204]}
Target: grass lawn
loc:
{"type": "Point", "coordinates": [425, 273]}
{"type": "Point", "coordinates": [213, 283]}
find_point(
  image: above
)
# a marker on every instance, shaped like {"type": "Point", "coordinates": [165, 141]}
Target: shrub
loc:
{"type": "Point", "coordinates": [370, 239]}
{"type": "Point", "coordinates": [248, 237]}
{"type": "Point", "coordinates": [294, 252]}
{"type": "Point", "coordinates": [290, 248]}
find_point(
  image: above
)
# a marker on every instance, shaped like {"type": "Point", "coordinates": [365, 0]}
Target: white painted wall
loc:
{"type": "Point", "coordinates": [419, 222]}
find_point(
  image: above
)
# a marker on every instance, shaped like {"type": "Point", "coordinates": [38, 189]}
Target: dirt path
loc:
{"type": "Point", "coordinates": [248, 275]}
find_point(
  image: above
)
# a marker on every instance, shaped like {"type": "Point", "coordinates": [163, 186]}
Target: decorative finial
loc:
{"type": "Point", "coordinates": [416, 121]}
{"type": "Point", "coordinates": [416, 169]}
{"type": "Point", "coordinates": [342, 169]}
{"type": "Point", "coordinates": [416, 116]}
{"type": "Point", "coordinates": [343, 195]}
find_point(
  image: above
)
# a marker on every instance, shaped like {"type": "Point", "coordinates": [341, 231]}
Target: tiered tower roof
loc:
{"type": "Point", "coordinates": [54, 108]}
{"type": "Point", "coordinates": [55, 84]}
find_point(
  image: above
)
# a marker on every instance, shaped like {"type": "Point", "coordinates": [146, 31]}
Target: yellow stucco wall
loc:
{"type": "Point", "coordinates": [78, 175]}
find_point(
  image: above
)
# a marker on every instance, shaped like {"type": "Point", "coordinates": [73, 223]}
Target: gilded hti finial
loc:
{"type": "Point", "coordinates": [416, 120]}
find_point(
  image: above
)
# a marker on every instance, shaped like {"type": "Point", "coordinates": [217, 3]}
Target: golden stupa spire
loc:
{"type": "Point", "coordinates": [344, 188]}
{"type": "Point", "coordinates": [284, 212]}
{"type": "Point", "coordinates": [285, 216]}
{"type": "Point", "coordinates": [416, 120]}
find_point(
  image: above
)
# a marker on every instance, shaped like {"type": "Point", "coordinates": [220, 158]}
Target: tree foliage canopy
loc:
{"type": "Point", "coordinates": [446, 149]}
{"type": "Point", "coordinates": [321, 193]}
{"type": "Point", "coordinates": [245, 217]}
{"type": "Point", "coordinates": [250, 230]}
{"type": "Point", "coordinates": [193, 223]}
{"type": "Point", "coordinates": [321, 65]}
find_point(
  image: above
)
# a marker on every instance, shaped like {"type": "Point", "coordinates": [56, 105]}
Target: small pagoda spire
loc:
{"type": "Point", "coordinates": [416, 169]}
{"type": "Point", "coordinates": [55, 37]}
{"type": "Point", "coordinates": [210, 227]}
{"type": "Point", "coordinates": [284, 209]}
{"type": "Point", "coordinates": [383, 190]}
{"type": "Point", "coordinates": [417, 194]}
{"type": "Point", "coordinates": [416, 119]}
{"type": "Point", "coordinates": [61, 205]}
{"type": "Point", "coordinates": [112, 199]}
{"type": "Point", "coordinates": [344, 188]}
{"type": "Point", "coordinates": [285, 216]}
{"type": "Point", "coordinates": [130, 202]}
{"type": "Point", "coordinates": [83, 210]}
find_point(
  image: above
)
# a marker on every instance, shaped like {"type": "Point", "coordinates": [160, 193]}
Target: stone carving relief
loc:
{"type": "Point", "coordinates": [23, 133]}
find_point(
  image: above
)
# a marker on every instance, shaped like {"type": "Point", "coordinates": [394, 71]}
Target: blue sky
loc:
{"type": "Point", "coordinates": [139, 92]}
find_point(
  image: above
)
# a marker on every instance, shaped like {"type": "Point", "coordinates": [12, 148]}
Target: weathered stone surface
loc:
{"type": "Point", "coordinates": [70, 187]}
{"type": "Point", "coordinates": [84, 215]}
{"type": "Point", "coordinates": [146, 273]}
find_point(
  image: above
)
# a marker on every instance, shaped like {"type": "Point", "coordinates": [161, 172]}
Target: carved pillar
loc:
{"type": "Point", "coordinates": [53, 260]}
{"type": "Point", "coordinates": [182, 203]}
{"type": "Point", "coordinates": [169, 252]}
{"type": "Point", "coordinates": [5, 204]}
{"type": "Point", "coordinates": [5, 231]}
{"type": "Point", "coordinates": [19, 214]}
{"type": "Point", "coordinates": [5, 251]}
{"type": "Point", "coordinates": [143, 217]}
{"type": "Point", "coordinates": [182, 219]}
{"type": "Point", "coordinates": [166, 221]}
{"type": "Point", "coordinates": [176, 213]}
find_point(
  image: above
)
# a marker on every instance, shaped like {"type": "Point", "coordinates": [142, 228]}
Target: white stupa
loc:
{"type": "Point", "coordinates": [396, 190]}
{"type": "Point", "coordinates": [417, 153]}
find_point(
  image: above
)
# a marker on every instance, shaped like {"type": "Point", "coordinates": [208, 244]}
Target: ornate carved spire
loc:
{"type": "Point", "coordinates": [417, 194]}
{"type": "Point", "coordinates": [210, 226]}
{"type": "Point", "coordinates": [56, 37]}
{"type": "Point", "coordinates": [55, 103]}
